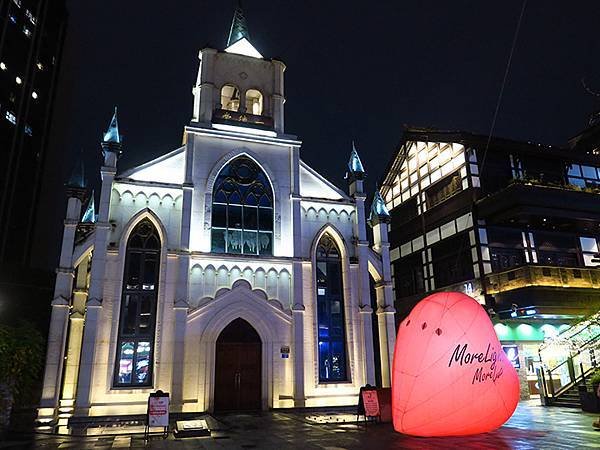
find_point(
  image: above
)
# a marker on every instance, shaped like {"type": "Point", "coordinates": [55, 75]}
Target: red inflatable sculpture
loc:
{"type": "Point", "coordinates": [450, 374]}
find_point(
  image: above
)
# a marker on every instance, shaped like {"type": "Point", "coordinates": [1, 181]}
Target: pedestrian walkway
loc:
{"type": "Point", "coordinates": [531, 427]}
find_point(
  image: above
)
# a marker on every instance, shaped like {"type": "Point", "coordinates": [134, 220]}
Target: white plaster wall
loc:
{"type": "Point", "coordinates": [273, 325]}
{"type": "Point", "coordinates": [259, 74]}
{"type": "Point", "coordinates": [314, 220]}
{"type": "Point", "coordinates": [210, 156]}
{"type": "Point", "coordinates": [127, 200]}
{"type": "Point", "coordinates": [343, 393]}
{"type": "Point", "coordinates": [206, 279]}
{"type": "Point", "coordinates": [105, 399]}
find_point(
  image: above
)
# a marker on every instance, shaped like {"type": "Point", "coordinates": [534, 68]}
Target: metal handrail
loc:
{"type": "Point", "coordinates": [579, 351]}
{"type": "Point", "coordinates": [577, 380]}
{"type": "Point", "coordinates": [549, 389]}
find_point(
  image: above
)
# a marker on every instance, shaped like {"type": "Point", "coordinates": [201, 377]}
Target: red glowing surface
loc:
{"type": "Point", "coordinates": [450, 375]}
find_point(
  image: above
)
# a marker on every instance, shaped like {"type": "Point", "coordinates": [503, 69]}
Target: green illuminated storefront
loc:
{"type": "Point", "coordinates": [521, 342]}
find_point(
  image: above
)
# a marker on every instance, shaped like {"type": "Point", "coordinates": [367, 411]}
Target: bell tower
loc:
{"type": "Point", "coordinates": [237, 88]}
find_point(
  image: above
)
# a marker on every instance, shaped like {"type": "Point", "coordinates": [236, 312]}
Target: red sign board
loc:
{"type": "Point", "coordinates": [370, 402]}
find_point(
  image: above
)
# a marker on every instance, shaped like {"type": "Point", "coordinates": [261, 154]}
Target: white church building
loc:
{"type": "Point", "coordinates": [226, 272]}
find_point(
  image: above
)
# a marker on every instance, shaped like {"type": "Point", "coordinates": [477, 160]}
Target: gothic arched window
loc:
{"type": "Point", "coordinates": [330, 312]}
{"type": "Point", "coordinates": [242, 210]}
{"type": "Point", "coordinates": [135, 344]}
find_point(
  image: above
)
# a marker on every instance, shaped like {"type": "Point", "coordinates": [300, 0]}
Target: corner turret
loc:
{"type": "Point", "coordinates": [355, 173]}
{"type": "Point", "coordinates": [76, 183]}
{"type": "Point", "coordinates": [112, 142]}
{"type": "Point", "coordinates": [379, 212]}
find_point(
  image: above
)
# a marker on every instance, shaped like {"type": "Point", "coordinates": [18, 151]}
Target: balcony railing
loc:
{"type": "Point", "coordinates": [547, 276]}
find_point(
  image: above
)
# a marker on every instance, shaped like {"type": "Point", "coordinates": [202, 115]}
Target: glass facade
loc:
{"type": "Point", "coordinates": [330, 315]}
{"type": "Point", "coordinates": [138, 308]}
{"type": "Point", "coordinates": [242, 210]}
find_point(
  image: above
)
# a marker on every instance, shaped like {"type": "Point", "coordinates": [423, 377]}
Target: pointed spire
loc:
{"type": "Point", "coordinates": [112, 134]}
{"type": "Point", "coordinates": [77, 177]}
{"type": "Point", "coordinates": [239, 27]}
{"type": "Point", "coordinates": [112, 142]}
{"type": "Point", "coordinates": [356, 171]}
{"type": "Point", "coordinates": [239, 36]}
{"type": "Point", "coordinates": [355, 164]}
{"type": "Point", "coordinates": [89, 216]}
{"type": "Point", "coordinates": [379, 212]}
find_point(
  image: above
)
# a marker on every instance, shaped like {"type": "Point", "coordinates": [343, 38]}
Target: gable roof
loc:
{"type": "Point", "coordinates": [314, 185]}
{"type": "Point", "coordinates": [169, 168]}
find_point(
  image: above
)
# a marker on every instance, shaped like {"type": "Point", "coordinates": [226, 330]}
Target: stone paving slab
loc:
{"type": "Point", "coordinates": [531, 427]}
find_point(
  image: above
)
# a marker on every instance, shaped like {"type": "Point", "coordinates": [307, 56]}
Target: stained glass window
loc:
{"type": "Point", "coordinates": [330, 315]}
{"type": "Point", "coordinates": [242, 210]}
{"type": "Point", "coordinates": [138, 308]}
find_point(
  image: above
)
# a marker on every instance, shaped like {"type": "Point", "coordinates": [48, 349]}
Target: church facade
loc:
{"type": "Point", "coordinates": [226, 272]}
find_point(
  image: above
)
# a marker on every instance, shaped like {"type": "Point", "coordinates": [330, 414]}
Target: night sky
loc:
{"type": "Point", "coordinates": [355, 70]}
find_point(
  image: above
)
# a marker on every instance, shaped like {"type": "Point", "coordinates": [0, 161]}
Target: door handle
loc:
{"type": "Point", "coordinates": [237, 380]}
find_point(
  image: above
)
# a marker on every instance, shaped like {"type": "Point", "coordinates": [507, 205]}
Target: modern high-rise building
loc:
{"type": "Point", "coordinates": [31, 41]}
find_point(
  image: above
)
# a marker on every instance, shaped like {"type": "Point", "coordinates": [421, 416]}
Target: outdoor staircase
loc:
{"type": "Point", "coordinates": [561, 383]}
{"type": "Point", "coordinates": [570, 398]}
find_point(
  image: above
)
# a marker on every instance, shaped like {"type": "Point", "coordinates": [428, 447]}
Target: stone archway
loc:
{"type": "Point", "coordinates": [238, 374]}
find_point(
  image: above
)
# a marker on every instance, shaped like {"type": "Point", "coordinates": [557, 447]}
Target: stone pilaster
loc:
{"type": "Point", "coordinates": [97, 279]}
{"type": "Point", "coordinates": [59, 317]}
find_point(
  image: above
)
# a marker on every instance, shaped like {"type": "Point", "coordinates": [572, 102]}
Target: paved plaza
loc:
{"type": "Point", "coordinates": [531, 427]}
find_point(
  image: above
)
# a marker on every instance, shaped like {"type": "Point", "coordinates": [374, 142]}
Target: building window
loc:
{"type": "Point", "coordinates": [330, 316]}
{"type": "Point", "coordinates": [254, 102]}
{"type": "Point", "coordinates": [11, 117]}
{"type": "Point", "coordinates": [589, 250]}
{"type": "Point", "coordinates": [516, 167]}
{"type": "Point", "coordinates": [230, 98]}
{"type": "Point", "coordinates": [507, 248]}
{"type": "Point", "coordinates": [31, 17]}
{"type": "Point", "coordinates": [452, 261]}
{"type": "Point", "coordinates": [443, 190]}
{"type": "Point", "coordinates": [583, 176]}
{"type": "Point", "coordinates": [557, 249]}
{"type": "Point", "coordinates": [409, 276]}
{"type": "Point", "coordinates": [242, 211]}
{"type": "Point", "coordinates": [135, 345]}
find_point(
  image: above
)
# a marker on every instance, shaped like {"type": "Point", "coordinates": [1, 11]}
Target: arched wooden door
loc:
{"type": "Point", "coordinates": [238, 368]}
